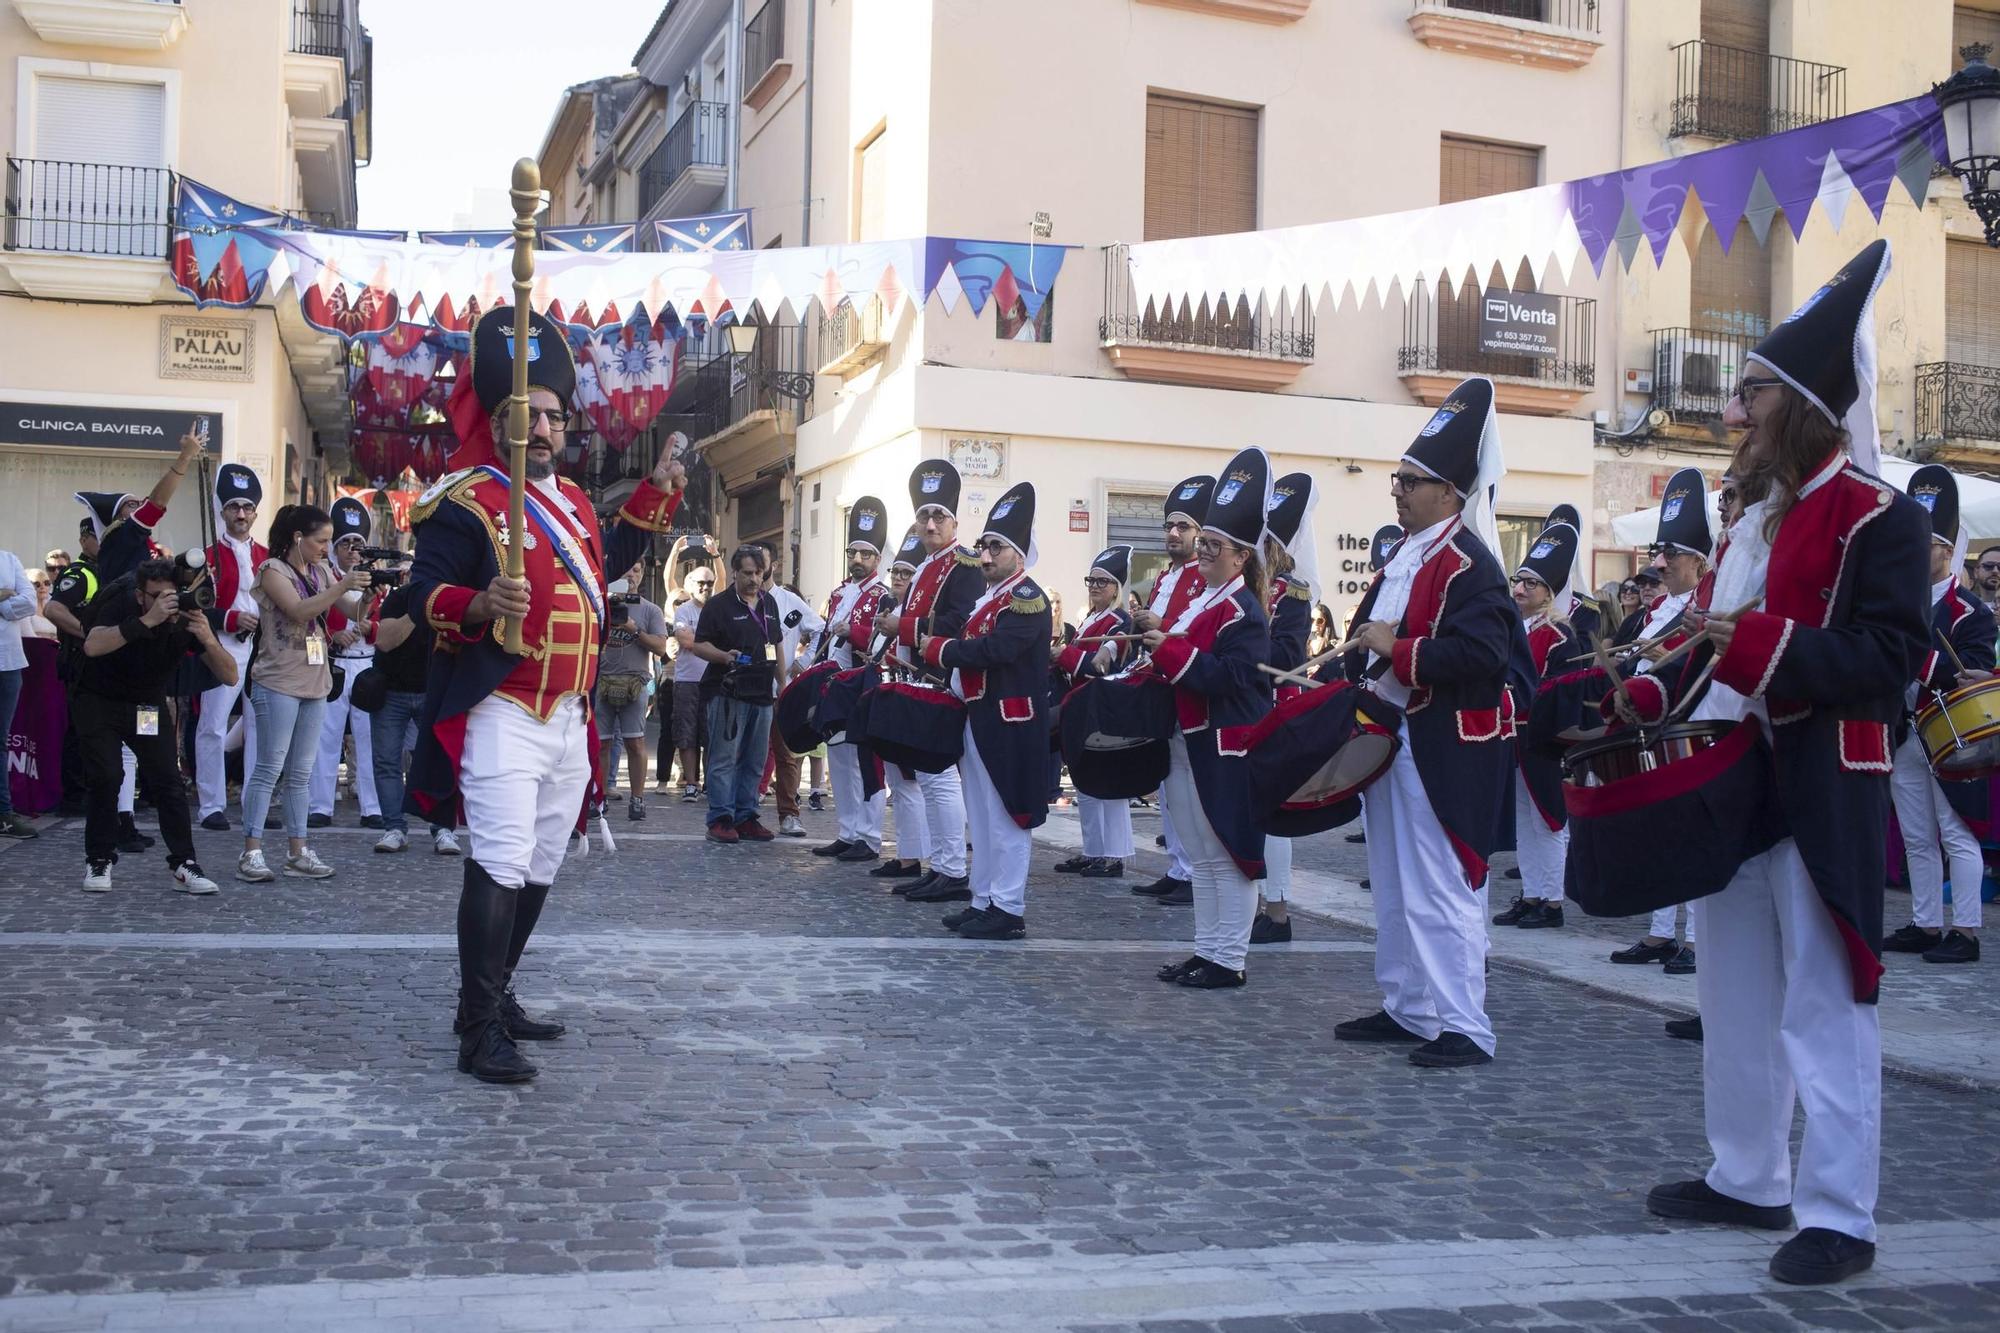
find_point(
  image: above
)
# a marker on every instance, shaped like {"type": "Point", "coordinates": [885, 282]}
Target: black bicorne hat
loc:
{"type": "Point", "coordinates": [1385, 541]}
{"type": "Point", "coordinates": [1115, 561]}
{"type": "Point", "coordinates": [1013, 518]}
{"type": "Point", "coordinates": [1190, 498]}
{"type": "Point", "coordinates": [1448, 445]}
{"type": "Point", "coordinates": [934, 485]}
{"type": "Point", "coordinates": [102, 507]}
{"type": "Point", "coordinates": [1564, 513]}
{"type": "Point", "coordinates": [1936, 489]}
{"type": "Point", "coordinates": [350, 518]}
{"type": "Point", "coordinates": [234, 482]}
{"type": "Point", "coordinates": [868, 524]}
{"type": "Point", "coordinates": [1826, 349]}
{"type": "Point", "coordinates": [1553, 556]}
{"type": "Point", "coordinates": [1291, 497]}
{"type": "Point", "coordinates": [911, 553]}
{"type": "Point", "coordinates": [1684, 513]}
{"type": "Point", "coordinates": [1242, 499]}
{"type": "Point", "coordinates": [494, 341]}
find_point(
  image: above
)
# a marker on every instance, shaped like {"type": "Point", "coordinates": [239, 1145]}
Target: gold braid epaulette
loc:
{"type": "Point", "coordinates": [428, 502]}
{"type": "Point", "coordinates": [1301, 591]}
{"type": "Point", "coordinates": [1028, 606]}
{"type": "Point", "coordinates": [966, 558]}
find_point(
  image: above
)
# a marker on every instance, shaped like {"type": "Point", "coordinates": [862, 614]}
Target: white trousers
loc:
{"type": "Point", "coordinates": [1107, 827]}
{"type": "Point", "coordinates": [1542, 851]}
{"type": "Point", "coordinates": [1276, 885]}
{"type": "Point", "coordinates": [523, 782]}
{"type": "Point", "coordinates": [1661, 927]}
{"type": "Point", "coordinates": [1776, 967]}
{"type": "Point", "coordinates": [1225, 899]}
{"type": "Point", "coordinates": [1177, 855]}
{"type": "Point", "coordinates": [332, 729]}
{"type": "Point", "coordinates": [913, 825]}
{"type": "Point", "coordinates": [1928, 820]}
{"type": "Point", "coordinates": [944, 811]}
{"type": "Point", "coordinates": [1000, 847]}
{"type": "Point", "coordinates": [1430, 926]}
{"type": "Point", "coordinates": [858, 818]}
{"type": "Point", "coordinates": [211, 772]}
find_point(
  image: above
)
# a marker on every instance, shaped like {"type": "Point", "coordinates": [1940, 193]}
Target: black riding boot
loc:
{"type": "Point", "coordinates": [485, 931]}
{"type": "Point", "coordinates": [527, 911]}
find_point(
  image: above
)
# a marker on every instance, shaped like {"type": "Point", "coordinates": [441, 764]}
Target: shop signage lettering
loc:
{"type": "Point", "coordinates": [69, 426]}
{"type": "Point", "coordinates": [196, 348]}
{"type": "Point", "coordinates": [1519, 324]}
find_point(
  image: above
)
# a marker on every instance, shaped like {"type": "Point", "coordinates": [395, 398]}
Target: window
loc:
{"type": "Point", "coordinates": [1971, 304]}
{"type": "Point", "coordinates": [1735, 87]}
{"type": "Point", "coordinates": [1201, 167]}
{"type": "Point", "coordinates": [760, 514]}
{"type": "Point", "coordinates": [1475, 168]}
{"type": "Point", "coordinates": [97, 181]}
{"type": "Point", "coordinates": [1973, 25]}
{"type": "Point", "coordinates": [1517, 534]}
{"type": "Point", "coordinates": [871, 187]}
{"type": "Point", "coordinates": [1135, 520]}
{"type": "Point", "coordinates": [1015, 325]}
{"type": "Point", "coordinates": [1731, 293]}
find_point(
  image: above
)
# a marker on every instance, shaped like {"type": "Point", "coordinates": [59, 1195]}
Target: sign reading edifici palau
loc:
{"type": "Point", "coordinates": [197, 347]}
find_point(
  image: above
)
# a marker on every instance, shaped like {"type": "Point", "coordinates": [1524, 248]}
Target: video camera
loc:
{"type": "Point", "coordinates": [371, 556]}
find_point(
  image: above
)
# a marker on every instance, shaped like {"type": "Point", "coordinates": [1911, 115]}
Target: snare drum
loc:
{"type": "Point", "coordinates": [1313, 755]}
{"type": "Point", "coordinates": [1115, 734]}
{"type": "Point", "coordinates": [918, 726]}
{"type": "Point", "coordinates": [793, 716]}
{"type": "Point", "coordinates": [1629, 754]}
{"type": "Point", "coordinates": [1961, 731]}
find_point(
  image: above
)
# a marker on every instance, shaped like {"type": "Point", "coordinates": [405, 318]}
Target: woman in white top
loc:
{"type": "Point", "coordinates": [17, 603]}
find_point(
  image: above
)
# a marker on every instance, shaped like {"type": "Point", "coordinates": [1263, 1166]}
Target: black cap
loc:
{"type": "Point", "coordinates": [1564, 513]}
{"type": "Point", "coordinates": [234, 482]}
{"type": "Point", "coordinates": [350, 518]}
{"type": "Point", "coordinates": [1936, 489]}
{"type": "Point", "coordinates": [1684, 513]}
{"type": "Point", "coordinates": [1190, 497]}
{"type": "Point", "coordinates": [911, 553]}
{"type": "Point", "coordinates": [550, 364]}
{"type": "Point", "coordinates": [1291, 496]}
{"type": "Point", "coordinates": [103, 507]}
{"type": "Point", "coordinates": [868, 524]}
{"type": "Point", "coordinates": [1553, 556]}
{"type": "Point", "coordinates": [1448, 445]}
{"type": "Point", "coordinates": [1384, 544]}
{"type": "Point", "coordinates": [1242, 499]}
{"type": "Point", "coordinates": [1115, 561]}
{"type": "Point", "coordinates": [1823, 348]}
{"type": "Point", "coordinates": [1012, 518]}
{"type": "Point", "coordinates": [934, 484]}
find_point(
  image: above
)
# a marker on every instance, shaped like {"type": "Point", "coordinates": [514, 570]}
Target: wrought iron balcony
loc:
{"type": "Point", "coordinates": [327, 28]}
{"type": "Point", "coordinates": [1726, 92]}
{"type": "Point", "coordinates": [728, 389]}
{"type": "Point", "coordinates": [1580, 15]}
{"type": "Point", "coordinates": [699, 138]}
{"type": "Point", "coordinates": [1195, 339]}
{"type": "Point", "coordinates": [850, 338]}
{"type": "Point", "coordinates": [1695, 370]}
{"type": "Point", "coordinates": [1957, 402]}
{"type": "Point", "coordinates": [87, 208]}
{"type": "Point", "coordinates": [763, 41]}
{"type": "Point", "coordinates": [1448, 332]}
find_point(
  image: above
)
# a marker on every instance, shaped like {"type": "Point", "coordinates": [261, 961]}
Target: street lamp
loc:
{"type": "Point", "coordinates": [792, 384]}
{"type": "Point", "coordinates": [1970, 102]}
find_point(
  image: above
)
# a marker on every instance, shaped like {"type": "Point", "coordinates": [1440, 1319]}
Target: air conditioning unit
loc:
{"type": "Point", "coordinates": [1698, 370]}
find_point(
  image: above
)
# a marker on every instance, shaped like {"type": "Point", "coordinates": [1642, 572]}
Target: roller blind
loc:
{"type": "Point", "coordinates": [1971, 304]}
{"type": "Point", "coordinates": [1745, 24]}
{"type": "Point", "coordinates": [1731, 293]}
{"type": "Point", "coordinates": [1474, 168]}
{"type": "Point", "coordinates": [1973, 25]}
{"type": "Point", "coordinates": [100, 121]}
{"type": "Point", "coordinates": [1201, 167]}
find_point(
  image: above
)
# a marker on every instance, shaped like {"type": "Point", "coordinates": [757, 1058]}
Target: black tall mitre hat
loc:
{"type": "Point", "coordinates": [1448, 445]}
{"type": "Point", "coordinates": [1242, 500]}
{"type": "Point", "coordinates": [867, 524]}
{"type": "Point", "coordinates": [1291, 498]}
{"type": "Point", "coordinates": [1936, 489]}
{"type": "Point", "coordinates": [1012, 519]}
{"type": "Point", "coordinates": [495, 339]}
{"type": "Point", "coordinates": [934, 485]}
{"type": "Point", "coordinates": [911, 553]}
{"type": "Point", "coordinates": [1826, 350]}
{"type": "Point", "coordinates": [1115, 561]}
{"type": "Point", "coordinates": [234, 482]}
{"type": "Point", "coordinates": [350, 518]}
{"type": "Point", "coordinates": [1553, 556]}
{"type": "Point", "coordinates": [1684, 513]}
{"type": "Point", "coordinates": [1190, 497]}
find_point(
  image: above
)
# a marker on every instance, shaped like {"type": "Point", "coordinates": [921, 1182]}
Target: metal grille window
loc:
{"type": "Point", "coordinates": [1135, 520]}
{"type": "Point", "coordinates": [1201, 167]}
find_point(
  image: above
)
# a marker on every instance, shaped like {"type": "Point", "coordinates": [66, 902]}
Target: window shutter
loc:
{"type": "Point", "coordinates": [1973, 25]}
{"type": "Point", "coordinates": [1731, 293]}
{"type": "Point", "coordinates": [1971, 296]}
{"type": "Point", "coordinates": [871, 209]}
{"type": "Point", "coordinates": [1743, 24]}
{"type": "Point", "coordinates": [1474, 168]}
{"type": "Point", "coordinates": [1201, 168]}
{"type": "Point", "coordinates": [100, 121]}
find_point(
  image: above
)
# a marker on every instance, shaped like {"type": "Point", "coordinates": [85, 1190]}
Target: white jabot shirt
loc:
{"type": "Point", "coordinates": [1399, 576]}
{"type": "Point", "coordinates": [246, 577]}
{"type": "Point", "coordinates": [1663, 616]}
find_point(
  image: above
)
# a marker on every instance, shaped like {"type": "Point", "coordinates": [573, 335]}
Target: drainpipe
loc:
{"type": "Point", "coordinates": [805, 238]}
{"type": "Point", "coordinates": [733, 78]}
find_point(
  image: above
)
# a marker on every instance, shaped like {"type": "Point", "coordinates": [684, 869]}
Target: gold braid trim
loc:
{"type": "Point", "coordinates": [1028, 606]}
{"type": "Point", "coordinates": [428, 502]}
{"type": "Point", "coordinates": [966, 558]}
{"type": "Point", "coordinates": [1299, 590]}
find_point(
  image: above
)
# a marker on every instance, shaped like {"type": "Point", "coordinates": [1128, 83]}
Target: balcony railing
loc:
{"type": "Point", "coordinates": [327, 28]}
{"type": "Point", "coordinates": [700, 137]}
{"type": "Point", "coordinates": [1957, 402]}
{"type": "Point", "coordinates": [763, 41]}
{"type": "Point", "coordinates": [1221, 324]}
{"type": "Point", "coordinates": [1449, 334]}
{"type": "Point", "coordinates": [850, 336]}
{"type": "Point", "coordinates": [1726, 92]}
{"type": "Point", "coordinates": [87, 208]}
{"type": "Point", "coordinates": [1695, 371]}
{"type": "Point", "coordinates": [1580, 15]}
{"type": "Point", "coordinates": [729, 388]}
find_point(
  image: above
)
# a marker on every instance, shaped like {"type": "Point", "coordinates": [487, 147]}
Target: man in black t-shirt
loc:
{"type": "Point", "coordinates": [137, 636]}
{"type": "Point", "coordinates": [738, 635]}
{"type": "Point", "coordinates": [403, 655]}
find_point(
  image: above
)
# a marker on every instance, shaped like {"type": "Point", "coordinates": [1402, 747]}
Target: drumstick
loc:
{"type": "Point", "coordinates": [1951, 652]}
{"type": "Point", "coordinates": [1123, 638]}
{"type": "Point", "coordinates": [1296, 677]}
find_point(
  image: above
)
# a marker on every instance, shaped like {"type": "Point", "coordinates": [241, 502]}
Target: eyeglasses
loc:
{"type": "Point", "coordinates": [1213, 546]}
{"type": "Point", "coordinates": [992, 546]}
{"type": "Point", "coordinates": [1176, 525]}
{"type": "Point", "coordinates": [1989, 567]}
{"type": "Point", "coordinates": [1746, 390]}
{"type": "Point", "coordinates": [1100, 583]}
{"type": "Point", "coordinates": [1525, 581]}
{"type": "Point", "coordinates": [1405, 481]}
{"type": "Point", "coordinates": [559, 419]}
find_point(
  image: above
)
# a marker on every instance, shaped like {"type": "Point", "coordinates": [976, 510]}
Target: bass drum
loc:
{"type": "Point", "coordinates": [1312, 756]}
{"type": "Point", "coordinates": [793, 717]}
{"type": "Point", "coordinates": [1115, 734]}
{"type": "Point", "coordinates": [921, 727]}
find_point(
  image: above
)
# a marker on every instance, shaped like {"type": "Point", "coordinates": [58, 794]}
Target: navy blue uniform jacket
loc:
{"type": "Point", "coordinates": [1003, 666]}
{"type": "Point", "coordinates": [1218, 687]}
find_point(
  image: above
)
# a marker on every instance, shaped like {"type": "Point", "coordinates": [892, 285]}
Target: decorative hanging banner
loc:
{"type": "Point", "coordinates": [483, 240]}
{"type": "Point", "coordinates": [590, 240]}
{"type": "Point", "coordinates": [1008, 271]}
{"type": "Point", "coordinates": [699, 235]}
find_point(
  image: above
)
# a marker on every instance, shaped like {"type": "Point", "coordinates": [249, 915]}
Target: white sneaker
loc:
{"type": "Point", "coordinates": [444, 842]}
{"type": "Point", "coordinates": [307, 865]}
{"type": "Point", "coordinates": [791, 827]}
{"type": "Point", "coordinates": [250, 866]}
{"type": "Point", "coordinates": [97, 877]}
{"type": "Point", "coordinates": [395, 840]}
{"type": "Point", "coordinates": [189, 879]}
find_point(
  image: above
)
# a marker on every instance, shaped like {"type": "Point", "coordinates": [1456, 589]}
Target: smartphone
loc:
{"type": "Point", "coordinates": [201, 430]}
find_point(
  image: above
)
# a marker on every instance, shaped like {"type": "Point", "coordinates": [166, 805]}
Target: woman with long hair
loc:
{"type": "Point", "coordinates": [1321, 636]}
{"type": "Point", "coordinates": [291, 678]}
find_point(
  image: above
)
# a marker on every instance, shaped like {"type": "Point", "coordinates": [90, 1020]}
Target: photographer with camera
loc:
{"type": "Point", "coordinates": [353, 648]}
{"type": "Point", "coordinates": [135, 640]}
{"type": "Point", "coordinates": [739, 635]}
{"type": "Point", "coordinates": [638, 634]}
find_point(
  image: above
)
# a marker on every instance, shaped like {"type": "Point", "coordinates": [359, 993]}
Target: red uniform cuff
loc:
{"type": "Point", "coordinates": [1071, 660]}
{"type": "Point", "coordinates": [933, 651]}
{"type": "Point", "coordinates": [1754, 652]}
{"type": "Point", "coordinates": [1403, 660]}
{"type": "Point", "coordinates": [148, 514]}
{"type": "Point", "coordinates": [229, 622]}
{"type": "Point", "coordinates": [446, 611]}
{"type": "Point", "coordinates": [1173, 657]}
{"type": "Point", "coordinates": [906, 630]}
{"type": "Point", "coordinates": [1649, 701]}
{"type": "Point", "coordinates": [650, 507]}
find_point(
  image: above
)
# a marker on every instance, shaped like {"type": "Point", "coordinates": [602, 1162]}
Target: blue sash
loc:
{"type": "Point", "coordinates": [562, 540]}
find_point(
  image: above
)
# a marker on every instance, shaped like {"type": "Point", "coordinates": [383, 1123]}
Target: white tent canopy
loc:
{"type": "Point", "coordinates": [1978, 507]}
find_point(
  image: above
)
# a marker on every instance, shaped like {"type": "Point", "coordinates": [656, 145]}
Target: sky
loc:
{"type": "Point", "coordinates": [450, 115]}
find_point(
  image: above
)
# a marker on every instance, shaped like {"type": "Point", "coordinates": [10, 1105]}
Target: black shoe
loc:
{"type": "Point", "coordinates": [132, 842]}
{"type": "Point", "coordinates": [1174, 971]}
{"type": "Point", "coordinates": [927, 880]}
{"type": "Point", "coordinates": [1955, 947]}
{"type": "Point", "coordinates": [859, 854]}
{"type": "Point", "coordinates": [1378, 1026]}
{"type": "Point", "coordinates": [70, 810]}
{"type": "Point", "coordinates": [1687, 1029]}
{"type": "Point", "coordinates": [1181, 895]}
{"type": "Point", "coordinates": [1694, 1201]}
{"type": "Point", "coordinates": [896, 869]}
{"type": "Point", "coordinates": [1072, 865]}
{"type": "Point", "coordinates": [319, 821]}
{"type": "Point", "coordinates": [1681, 964]}
{"type": "Point", "coordinates": [217, 822]}
{"type": "Point", "coordinates": [1104, 867]}
{"type": "Point", "coordinates": [1357, 837]}
{"type": "Point", "coordinates": [943, 889]}
{"type": "Point", "coordinates": [953, 920]}
{"type": "Point", "coordinates": [1511, 872]}
{"type": "Point", "coordinates": [487, 920]}
{"type": "Point", "coordinates": [1541, 915]}
{"type": "Point", "coordinates": [1819, 1255]}
{"type": "Point", "coordinates": [523, 1028]}
{"type": "Point", "coordinates": [995, 923]}
{"type": "Point", "coordinates": [816, 802]}
{"type": "Point", "coordinates": [371, 821]}
{"type": "Point", "coordinates": [1452, 1050]}
{"type": "Point", "coordinates": [834, 848]}
{"type": "Point", "coordinates": [1517, 909]}
{"type": "Point", "coordinates": [1913, 939]}
{"type": "Point", "coordinates": [1211, 976]}
{"type": "Point", "coordinates": [1159, 839]}
{"type": "Point", "coordinates": [1165, 884]}
{"type": "Point", "coordinates": [1643, 952]}
{"type": "Point", "coordinates": [1266, 931]}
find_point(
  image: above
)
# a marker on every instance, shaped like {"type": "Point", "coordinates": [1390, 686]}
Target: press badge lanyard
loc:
{"type": "Point", "coordinates": [308, 586]}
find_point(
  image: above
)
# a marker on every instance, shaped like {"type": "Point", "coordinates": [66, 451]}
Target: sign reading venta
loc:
{"type": "Point", "coordinates": [74, 427]}
{"type": "Point", "coordinates": [1518, 323]}
{"type": "Point", "coordinates": [193, 347]}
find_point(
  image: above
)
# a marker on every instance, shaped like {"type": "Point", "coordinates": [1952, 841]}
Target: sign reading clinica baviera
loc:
{"type": "Point", "coordinates": [71, 426]}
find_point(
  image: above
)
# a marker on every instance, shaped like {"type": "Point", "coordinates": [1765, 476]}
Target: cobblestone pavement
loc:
{"type": "Point", "coordinates": [789, 1100]}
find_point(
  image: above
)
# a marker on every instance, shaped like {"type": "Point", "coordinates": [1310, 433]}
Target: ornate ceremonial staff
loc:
{"type": "Point", "coordinates": [527, 196]}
